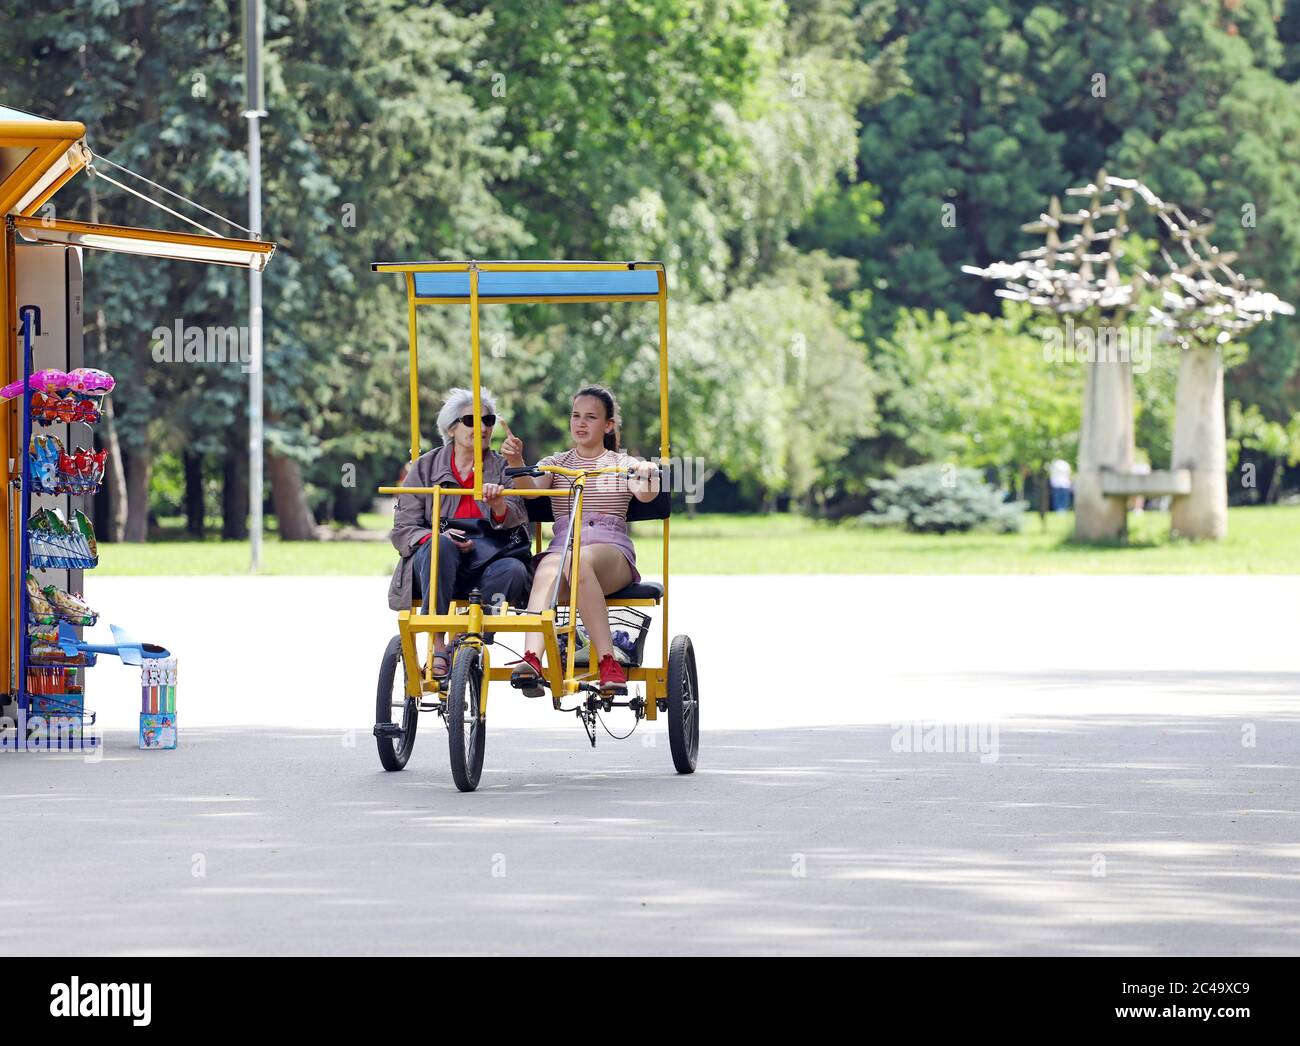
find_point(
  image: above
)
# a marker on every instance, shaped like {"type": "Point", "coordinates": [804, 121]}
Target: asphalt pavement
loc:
{"type": "Point", "coordinates": [1101, 766]}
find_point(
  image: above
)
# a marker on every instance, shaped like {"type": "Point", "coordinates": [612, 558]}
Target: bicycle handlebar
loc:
{"type": "Point", "coordinates": [560, 470]}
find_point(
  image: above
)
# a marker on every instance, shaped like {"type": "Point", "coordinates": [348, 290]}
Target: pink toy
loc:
{"type": "Point", "coordinates": [89, 381]}
{"type": "Point", "coordinates": [41, 381]}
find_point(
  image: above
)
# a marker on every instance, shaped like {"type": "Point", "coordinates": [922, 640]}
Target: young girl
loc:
{"type": "Point", "coordinates": [606, 560]}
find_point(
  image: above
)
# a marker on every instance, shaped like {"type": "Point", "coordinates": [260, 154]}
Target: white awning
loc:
{"type": "Point", "coordinates": [154, 243]}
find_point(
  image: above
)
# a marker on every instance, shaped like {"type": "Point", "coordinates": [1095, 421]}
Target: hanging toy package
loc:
{"type": "Point", "coordinates": [54, 542]}
{"type": "Point", "coordinates": [55, 471]}
{"type": "Point", "coordinates": [58, 397]}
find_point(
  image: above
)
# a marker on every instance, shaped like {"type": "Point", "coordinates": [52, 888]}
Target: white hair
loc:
{"type": "Point", "coordinates": [458, 403]}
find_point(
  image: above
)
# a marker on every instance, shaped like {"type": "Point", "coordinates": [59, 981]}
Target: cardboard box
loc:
{"type": "Point", "coordinates": [157, 729]}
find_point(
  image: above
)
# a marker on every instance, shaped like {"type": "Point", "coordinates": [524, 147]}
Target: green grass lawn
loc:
{"type": "Point", "coordinates": [1260, 541]}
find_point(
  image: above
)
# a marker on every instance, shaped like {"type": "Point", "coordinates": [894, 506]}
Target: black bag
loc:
{"type": "Point", "coordinates": [490, 543]}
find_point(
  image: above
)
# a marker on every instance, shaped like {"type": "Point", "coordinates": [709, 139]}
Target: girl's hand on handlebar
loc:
{"type": "Point", "coordinates": [643, 476]}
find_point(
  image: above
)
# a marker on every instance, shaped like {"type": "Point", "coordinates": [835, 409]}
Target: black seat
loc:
{"type": "Point", "coordinates": [639, 590]}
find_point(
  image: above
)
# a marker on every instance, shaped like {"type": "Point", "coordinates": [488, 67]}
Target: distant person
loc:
{"type": "Point", "coordinates": [1060, 478]}
{"type": "Point", "coordinates": [482, 544]}
{"type": "Point", "coordinates": [1140, 468]}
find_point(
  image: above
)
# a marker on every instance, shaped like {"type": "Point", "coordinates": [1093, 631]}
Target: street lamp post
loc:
{"type": "Point", "coordinates": [253, 113]}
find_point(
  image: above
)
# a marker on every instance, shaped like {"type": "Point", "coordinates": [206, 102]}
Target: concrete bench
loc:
{"type": "Point", "coordinates": [1175, 482]}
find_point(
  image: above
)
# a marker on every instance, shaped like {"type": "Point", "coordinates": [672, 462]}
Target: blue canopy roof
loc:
{"type": "Point", "coordinates": [549, 280]}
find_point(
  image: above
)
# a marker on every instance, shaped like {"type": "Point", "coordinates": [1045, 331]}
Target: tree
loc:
{"type": "Point", "coordinates": [1277, 444]}
{"type": "Point", "coordinates": [979, 391]}
{"type": "Point", "coordinates": [347, 179]}
{"type": "Point", "coordinates": [961, 159]}
{"type": "Point", "coordinates": [808, 392]}
{"type": "Point", "coordinates": [702, 134]}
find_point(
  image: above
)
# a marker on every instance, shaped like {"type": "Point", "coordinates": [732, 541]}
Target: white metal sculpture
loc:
{"type": "Point", "coordinates": [1196, 301]}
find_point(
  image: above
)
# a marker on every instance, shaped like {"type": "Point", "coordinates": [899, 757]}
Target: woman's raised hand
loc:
{"type": "Point", "coordinates": [513, 448]}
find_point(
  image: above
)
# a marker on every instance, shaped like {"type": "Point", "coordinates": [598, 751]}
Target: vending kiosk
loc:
{"type": "Point", "coordinates": [50, 481]}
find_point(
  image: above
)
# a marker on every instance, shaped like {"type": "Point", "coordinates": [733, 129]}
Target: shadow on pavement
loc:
{"type": "Point", "coordinates": [1108, 835]}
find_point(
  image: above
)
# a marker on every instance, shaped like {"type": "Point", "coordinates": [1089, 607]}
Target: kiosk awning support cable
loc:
{"type": "Point", "coordinates": [92, 169]}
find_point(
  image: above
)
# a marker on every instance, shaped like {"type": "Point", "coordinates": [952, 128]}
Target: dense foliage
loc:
{"type": "Point", "coordinates": [814, 173]}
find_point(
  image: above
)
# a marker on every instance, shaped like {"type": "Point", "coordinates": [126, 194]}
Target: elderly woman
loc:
{"type": "Point", "coordinates": [481, 544]}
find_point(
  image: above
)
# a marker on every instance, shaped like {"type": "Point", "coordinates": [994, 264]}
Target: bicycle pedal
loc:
{"type": "Point", "coordinates": [392, 730]}
{"type": "Point", "coordinates": [528, 688]}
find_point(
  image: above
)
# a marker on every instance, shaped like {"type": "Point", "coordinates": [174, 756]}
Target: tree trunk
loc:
{"type": "Point", "coordinates": [234, 495]}
{"type": "Point", "coordinates": [139, 470]}
{"type": "Point", "coordinates": [194, 522]}
{"type": "Point", "coordinates": [289, 498]}
{"type": "Point", "coordinates": [110, 502]}
{"type": "Point", "coordinates": [346, 507]}
{"type": "Point", "coordinates": [1274, 481]}
{"type": "Point", "coordinates": [115, 477]}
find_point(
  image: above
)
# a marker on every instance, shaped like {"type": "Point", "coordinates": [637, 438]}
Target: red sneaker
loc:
{"type": "Point", "coordinates": [611, 672]}
{"type": "Point", "coordinates": [527, 674]}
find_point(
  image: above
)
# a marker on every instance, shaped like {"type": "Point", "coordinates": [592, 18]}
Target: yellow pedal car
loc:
{"type": "Point", "coordinates": [407, 685]}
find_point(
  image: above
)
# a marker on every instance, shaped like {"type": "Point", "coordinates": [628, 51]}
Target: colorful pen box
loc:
{"type": "Point", "coordinates": [157, 730]}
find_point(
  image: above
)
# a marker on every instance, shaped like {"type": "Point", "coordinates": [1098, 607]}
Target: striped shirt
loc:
{"type": "Point", "coordinates": [609, 494]}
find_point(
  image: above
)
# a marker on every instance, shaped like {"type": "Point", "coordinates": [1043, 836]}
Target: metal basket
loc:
{"type": "Point", "coordinates": [629, 628]}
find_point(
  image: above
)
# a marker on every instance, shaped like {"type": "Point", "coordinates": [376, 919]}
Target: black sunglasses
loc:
{"type": "Point", "coordinates": [468, 420]}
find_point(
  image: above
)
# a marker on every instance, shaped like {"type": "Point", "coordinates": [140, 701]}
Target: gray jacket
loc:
{"type": "Point", "coordinates": [413, 513]}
